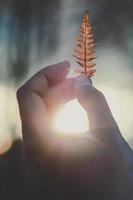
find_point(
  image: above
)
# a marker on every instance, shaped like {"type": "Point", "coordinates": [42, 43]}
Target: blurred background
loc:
{"type": "Point", "coordinates": [37, 33]}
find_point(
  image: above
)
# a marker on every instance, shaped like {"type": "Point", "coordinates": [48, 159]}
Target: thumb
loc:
{"type": "Point", "coordinates": [94, 102]}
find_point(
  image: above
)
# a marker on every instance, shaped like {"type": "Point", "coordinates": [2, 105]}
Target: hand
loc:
{"type": "Point", "coordinates": [110, 159]}
{"type": "Point", "coordinates": [38, 99]}
{"type": "Point", "coordinates": [97, 165]}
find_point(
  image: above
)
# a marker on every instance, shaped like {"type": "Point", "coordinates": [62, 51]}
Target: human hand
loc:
{"type": "Point", "coordinates": [38, 99]}
{"type": "Point", "coordinates": [97, 164]}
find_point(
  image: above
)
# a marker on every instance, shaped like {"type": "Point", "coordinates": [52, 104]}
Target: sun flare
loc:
{"type": "Point", "coordinates": [71, 119]}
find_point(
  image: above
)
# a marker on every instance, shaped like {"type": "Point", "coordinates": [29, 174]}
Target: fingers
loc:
{"type": "Point", "coordinates": [95, 104]}
{"type": "Point", "coordinates": [59, 94]}
{"type": "Point", "coordinates": [47, 77]}
{"type": "Point", "coordinates": [45, 89]}
{"type": "Point", "coordinates": [30, 96]}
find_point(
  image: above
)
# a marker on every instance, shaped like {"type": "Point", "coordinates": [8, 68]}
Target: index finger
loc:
{"type": "Point", "coordinates": [31, 104]}
{"type": "Point", "coordinates": [47, 77]}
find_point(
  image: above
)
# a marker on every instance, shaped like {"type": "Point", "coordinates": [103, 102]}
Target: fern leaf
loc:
{"type": "Point", "coordinates": [84, 51]}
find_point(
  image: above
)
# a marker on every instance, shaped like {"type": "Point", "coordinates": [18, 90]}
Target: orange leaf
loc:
{"type": "Point", "coordinates": [85, 44]}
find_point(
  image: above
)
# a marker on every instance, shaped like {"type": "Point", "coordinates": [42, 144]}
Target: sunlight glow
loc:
{"type": "Point", "coordinates": [72, 119]}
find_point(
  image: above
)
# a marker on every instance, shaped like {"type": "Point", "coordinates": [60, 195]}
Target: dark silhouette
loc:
{"type": "Point", "coordinates": [12, 173]}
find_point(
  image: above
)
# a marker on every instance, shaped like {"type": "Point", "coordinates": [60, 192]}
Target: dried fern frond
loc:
{"type": "Point", "coordinates": [84, 51]}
